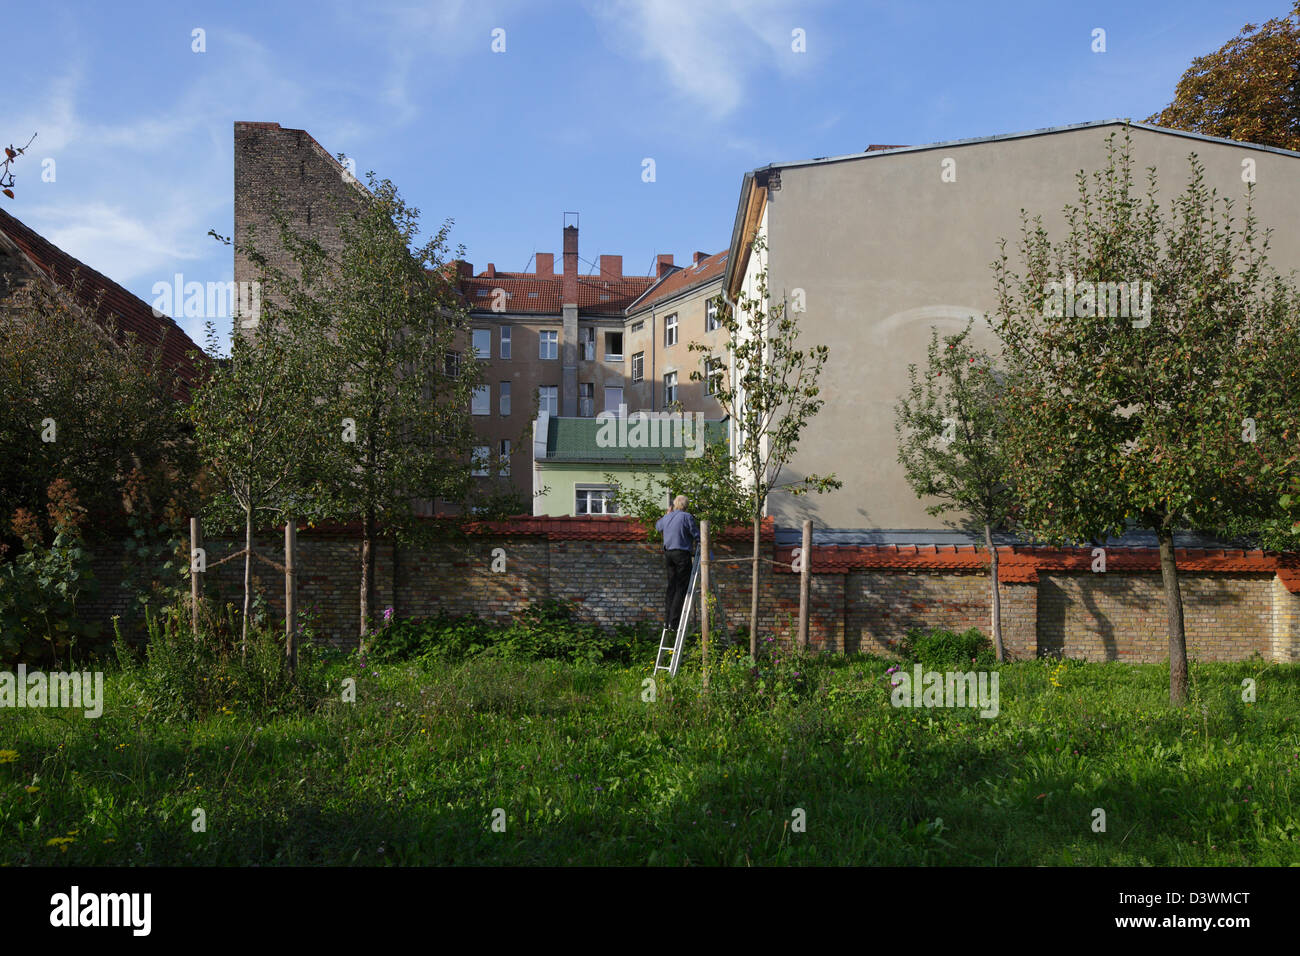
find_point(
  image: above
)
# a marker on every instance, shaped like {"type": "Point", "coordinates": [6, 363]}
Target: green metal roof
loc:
{"type": "Point", "coordinates": [611, 440]}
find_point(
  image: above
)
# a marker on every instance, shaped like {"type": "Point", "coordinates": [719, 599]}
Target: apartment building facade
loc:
{"type": "Point", "coordinates": [678, 310]}
{"type": "Point", "coordinates": [880, 246]}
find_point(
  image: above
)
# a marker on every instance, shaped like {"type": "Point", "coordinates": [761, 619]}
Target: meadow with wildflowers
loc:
{"type": "Point", "coordinates": [590, 767]}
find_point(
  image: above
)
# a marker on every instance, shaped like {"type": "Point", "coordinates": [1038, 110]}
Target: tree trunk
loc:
{"type": "Point", "coordinates": [1174, 611]}
{"type": "Point", "coordinates": [997, 597]}
{"type": "Point", "coordinates": [248, 580]}
{"type": "Point", "coordinates": [753, 597]}
{"type": "Point", "coordinates": [367, 572]}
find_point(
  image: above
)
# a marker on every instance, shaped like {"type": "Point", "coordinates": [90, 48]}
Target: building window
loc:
{"type": "Point", "coordinates": [713, 372]}
{"type": "Point", "coordinates": [548, 400]}
{"type": "Point", "coordinates": [594, 500]}
{"type": "Point", "coordinates": [505, 399]}
{"type": "Point", "coordinates": [711, 321]}
{"type": "Point", "coordinates": [638, 366]}
{"type": "Point", "coordinates": [670, 388]}
{"type": "Point", "coordinates": [587, 344]}
{"type": "Point", "coordinates": [637, 326]}
{"type": "Point", "coordinates": [586, 399]}
{"type": "Point", "coordinates": [451, 365]}
{"type": "Point", "coordinates": [479, 462]}
{"type": "Point", "coordinates": [670, 330]}
{"type": "Point", "coordinates": [482, 402]}
{"type": "Point", "coordinates": [505, 341]}
{"type": "Point", "coordinates": [483, 343]}
{"type": "Point", "coordinates": [613, 346]}
{"type": "Point", "coordinates": [548, 344]}
{"type": "Point", "coordinates": [504, 470]}
{"type": "Point", "coordinates": [613, 399]}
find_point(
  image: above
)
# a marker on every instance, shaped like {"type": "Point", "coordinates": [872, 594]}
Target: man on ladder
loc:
{"type": "Point", "coordinates": [681, 534]}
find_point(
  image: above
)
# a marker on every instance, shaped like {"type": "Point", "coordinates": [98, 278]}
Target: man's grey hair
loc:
{"type": "Point", "coordinates": [679, 503]}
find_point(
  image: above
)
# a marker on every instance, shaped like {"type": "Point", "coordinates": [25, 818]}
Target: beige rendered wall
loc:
{"type": "Point", "coordinates": [884, 249]}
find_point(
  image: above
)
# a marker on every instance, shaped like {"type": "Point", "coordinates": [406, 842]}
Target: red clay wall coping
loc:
{"type": "Point", "coordinates": [1022, 565]}
{"type": "Point", "coordinates": [591, 528]}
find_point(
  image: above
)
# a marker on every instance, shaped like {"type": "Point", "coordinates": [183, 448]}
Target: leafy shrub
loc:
{"type": "Point", "coordinates": [39, 589]}
{"type": "Point", "coordinates": [185, 677]}
{"type": "Point", "coordinates": [546, 630]}
{"type": "Point", "coordinates": [942, 648]}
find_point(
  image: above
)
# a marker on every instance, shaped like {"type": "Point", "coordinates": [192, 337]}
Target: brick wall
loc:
{"type": "Point", "coordinates": [1236, 605]}
{"type": "Point", "coordinates": [286, 169]}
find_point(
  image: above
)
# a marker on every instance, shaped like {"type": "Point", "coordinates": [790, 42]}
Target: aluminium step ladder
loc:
{"type": "Point", "coordinates": [675, 649]}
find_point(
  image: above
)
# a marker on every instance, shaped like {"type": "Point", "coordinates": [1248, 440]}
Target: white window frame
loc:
{"type": "Point", "coordinates": [612, 408]}
{"type": "Point", "coordinates": [608, 499]}
{"type": "Point", "coordinates": [504, 470]}
{"type": "Point", "coordinates": [711, 321]}
{"type": "Point", "coordinates": [545, 338]}
{"type": "Point", "coordinates": [504, 399]}
{"type": "Point", "coordinates": [481, 401]}
{"type": "Point", "coordinates": [670, 330]}
{"type": "Point", "coordinates": [554, 395]}
{"type": "Point", "coordinates": [481, 351]}
{"type": "Point", "coordinates": [638, 366]}
{"type": "Point", "coordinates": [668, 401]}
{"type": "Point", "coordinates": [505, 341]}
{"type": "Point", "coordinates": [613, 356]}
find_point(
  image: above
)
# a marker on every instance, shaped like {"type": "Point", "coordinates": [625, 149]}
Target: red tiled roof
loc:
{"type": "Point", "coordinates": [528, 293]}
{"type": "Point", "coordinates": [1023, 565]}
{"type": "Point", "coordinates": [588, 528]}
{"type": "Point", "coordinates": [133, 315]}
{"type": "Point", "coordinates": [679, 280]}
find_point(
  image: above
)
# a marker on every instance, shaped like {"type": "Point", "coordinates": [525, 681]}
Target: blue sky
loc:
{"type": "Point", "coordinates": [140, 126]}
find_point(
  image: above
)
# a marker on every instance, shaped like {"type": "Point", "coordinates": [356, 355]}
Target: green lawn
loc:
{"type": "Point", "coordinates": [588, 773]}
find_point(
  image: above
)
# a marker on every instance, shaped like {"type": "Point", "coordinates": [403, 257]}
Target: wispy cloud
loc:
{"type": "Point", "coordinates": [708, 52]}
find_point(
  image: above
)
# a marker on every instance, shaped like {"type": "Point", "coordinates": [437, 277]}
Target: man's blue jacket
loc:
{"type": "Point", "coordinates": [680, 530]}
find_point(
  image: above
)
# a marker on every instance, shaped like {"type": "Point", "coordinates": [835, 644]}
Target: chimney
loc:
{"type": "Point", "coordinates": [545, 264]}
{"type": "Point", "coordinates": [698, 257]}
{"type": "Point", "coordinates": [663, 265]}
{"type": "Point", "coordinates": [570, 296]}
{"type": "Point", "coordinates": [611, 267]}
{"type": "Point", "coordinates": [464, 269]}
{"type": "Point", "coordinates": [491, 270]}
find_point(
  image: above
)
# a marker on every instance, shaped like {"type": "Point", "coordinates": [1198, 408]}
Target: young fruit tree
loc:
{"type": "Point", "coordinates": [1152, 371]}
{"type": "Point", "coordinates": [257, 430]}
{"type": "Point", "coordinates": [771, 395]}
{"type": "Point", "coordinates": [951, 444]}
{"type": "Point", "coordinates": [382, 321]}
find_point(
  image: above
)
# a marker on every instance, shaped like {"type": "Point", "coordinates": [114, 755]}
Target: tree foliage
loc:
{"type": "Point", "coordinates": [380, 318]}
{"type": "Point", "coordinates": [770, 397]}
{"type": "Point", "coordinates": [1177, 414]}
{"type": "Point", "coordinates": [952, 443]}
{"type": "Point", "coordinates": [1247, 90]}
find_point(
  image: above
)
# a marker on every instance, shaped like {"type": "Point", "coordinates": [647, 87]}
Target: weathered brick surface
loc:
{"type": "Point", "coordinates": [1122, 616]}
{"type": "Point", "coordinates": [1117, 615]}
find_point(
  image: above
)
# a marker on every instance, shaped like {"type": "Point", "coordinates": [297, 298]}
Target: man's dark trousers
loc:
{"type": "Point", "coordinates": [679, 579]}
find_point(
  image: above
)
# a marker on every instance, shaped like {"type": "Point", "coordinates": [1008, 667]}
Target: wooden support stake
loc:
{"type": "Point", "coordinates": [806, 567]}
{"type": "Point", "coordinates": [290, 595]}
{"type": "Point", "coordinates": [704, 600]}
{"type": "Point", "coordinates": [196, 577]}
